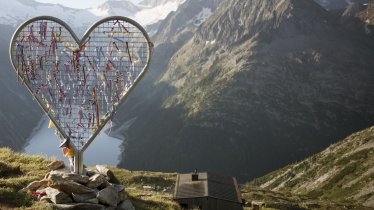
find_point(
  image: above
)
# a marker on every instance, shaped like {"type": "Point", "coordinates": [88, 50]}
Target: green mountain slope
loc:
{"type": "Point", "coordinates": [343, 173]}
{"type": "Point", "coordinates": [260, 77]}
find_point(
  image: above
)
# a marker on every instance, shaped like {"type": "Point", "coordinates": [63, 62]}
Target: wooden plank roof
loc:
{"type": "Point", "coordinates": [208, 185]}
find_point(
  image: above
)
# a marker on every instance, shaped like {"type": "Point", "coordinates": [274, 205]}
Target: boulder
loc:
{"type": "Point", "coordinates": [96, 180]}
{"type": "Point", "coordinates": [108, 196]}
{"type": "Point", "coordinates": [59, 172]}
{"type": "Point", "coordinates": [68, 186]}
{"type": "Point", "coordinates": [93, 200]}
{"type": "Point", "coordinates": [108, 173]}
{"type": "Point", "coordinates": [81, 179]}
{"type": "Point", "coordinates": [76, 178]}
{"type": "Point", "coordinates": [91, 172]}
{"type": "Point", "coordinates": [57, 196]}
{"type": "Point", "coordinates": [119, 187]}
{"type": "Point", "coordinates": [58, 164]}
{"type": "Point", "coordinates": [125, 205]}
{"type": "Point", "coordinates": [44, 183]}
{"type": "Point", "coordinates": [82, 198]}
{"type": "Point", "coordinates": [33, 186]}
{"type": "Point", "coordinates": [122, 196]}
{"type": "Point", "coordinates": [78, 206]}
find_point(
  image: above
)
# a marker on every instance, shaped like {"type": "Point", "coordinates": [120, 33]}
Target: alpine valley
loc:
{"type": "Point", "coordinates": [236, 87]}
{"type": "Point", "coordinates": [245, 87]}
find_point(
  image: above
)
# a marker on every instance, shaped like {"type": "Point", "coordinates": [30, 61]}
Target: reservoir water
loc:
{"type": "Point", "coordinates": [104, 150]}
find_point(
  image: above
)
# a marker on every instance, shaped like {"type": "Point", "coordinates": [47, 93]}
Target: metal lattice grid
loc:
{"type": "Point", "coordinates": [80, 84]}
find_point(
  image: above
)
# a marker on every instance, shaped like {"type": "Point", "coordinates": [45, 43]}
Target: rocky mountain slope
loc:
{"type": "Point", "coordinates": [338, 4]}
{"type": "Point", "coordinates": [367, 15]}
{"type": "Point", "coordinates": [261, 84]}
{"type": "Point", "coordinates": [18, 112]}
{"type": "Point", "coordinates": [185, 21]}
{"type": "Point", "coordinates": [344, 172]}
{"type": "Point", "coordinates": [359, 18]}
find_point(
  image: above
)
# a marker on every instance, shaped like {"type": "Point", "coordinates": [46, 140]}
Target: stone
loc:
{"type": "Point", "coordinates": [119, 187]}
{"type": "Point", "coordinates": [93, 200]}
{"type": "Point", "coordinates": [33, 186]}
{"type": "Point", "coordinates": [125, 205]}
{"type": "Point", "coordinates": [82, 198]}
{"type": "Point", "coordinates": [96, 180]}
{"type": "Point", "coordinates": [58, 164]}
{"type": "Point", "coordinates": [76, 178]}
{"type": "Point", "coordinates": [78, 206]}
{"type": "Point", "coordinates": [44, 183]}
{"type": "Point", "coordinates": [46, 176]}
{"type": "Point", "coordinates": [57, 196]}
{"type": "Point", "coordinates": [108, 196]}
{"type": "Point", "coordinates": [68, 186]}
{"type": "Point", "coordinates": [81, 179]}
{"type": "Point", "coordinates": [46, 199]}
{"type": "Point", "coordinates": [56, 173]}
{"type": "Point", "coordinates": [122, 196]}
{"type": "Point", "coordinates": [91, 172]}
{"type": "Point", "coordinates": [108, 173]}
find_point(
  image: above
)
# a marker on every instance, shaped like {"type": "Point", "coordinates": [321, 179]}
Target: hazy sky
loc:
{"type": "Point", "coordinates": [78, 3]}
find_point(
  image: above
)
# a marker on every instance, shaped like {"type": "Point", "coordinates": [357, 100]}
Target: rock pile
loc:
{"type": "Point", "coordinates": [98, 189]}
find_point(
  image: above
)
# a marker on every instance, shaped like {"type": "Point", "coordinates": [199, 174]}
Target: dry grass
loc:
{"type": "Point", "coordinates": [17, 170]}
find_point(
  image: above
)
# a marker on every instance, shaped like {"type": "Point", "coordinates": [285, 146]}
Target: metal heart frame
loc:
{"type": "Point", "coordinates": [81, 43]}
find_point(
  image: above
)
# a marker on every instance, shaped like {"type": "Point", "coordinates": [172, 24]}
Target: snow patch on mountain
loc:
{"type": "Point", "coordinates": [210, 42]}
{"type": "Point", "coordinates": [15, 12]}
{"type": "Point", "coordinates": [201, 17]}
{"type": "Point", "coordinates": [18, 11]}
{"type": "Point", "coordinates": [155, 3]}
{"type": "Point", "coordinates": [152, 15]}
{"type": "Point", "coordinates": [116, 7]}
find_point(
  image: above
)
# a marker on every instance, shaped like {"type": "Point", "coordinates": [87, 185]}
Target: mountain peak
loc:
{"type": "Point", "coordinates": [238, 20]}
{"type": "Point", "coordinates": [116, 7]}
{"type": "Point", "coordinates": [155, 3]}
{"type": "Point", "coordinates": [16, 12]}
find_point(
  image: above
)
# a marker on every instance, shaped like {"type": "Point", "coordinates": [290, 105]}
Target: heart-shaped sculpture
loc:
{"type": "Point", "coordinates": [80, 83]}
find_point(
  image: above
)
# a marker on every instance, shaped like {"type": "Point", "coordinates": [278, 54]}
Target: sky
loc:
{"type": "Point", "coordinates": [80, 4]}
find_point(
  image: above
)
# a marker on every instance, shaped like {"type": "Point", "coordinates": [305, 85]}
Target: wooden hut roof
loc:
{"type": "Point", "coordinates": [207, 185]}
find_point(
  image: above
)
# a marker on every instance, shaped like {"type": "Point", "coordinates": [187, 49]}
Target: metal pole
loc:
{"type": "Point", "coordinates": [78, 162]}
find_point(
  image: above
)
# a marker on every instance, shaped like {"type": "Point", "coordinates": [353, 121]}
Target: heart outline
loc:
{"type": "Point", "coordinates": [80, 43]}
